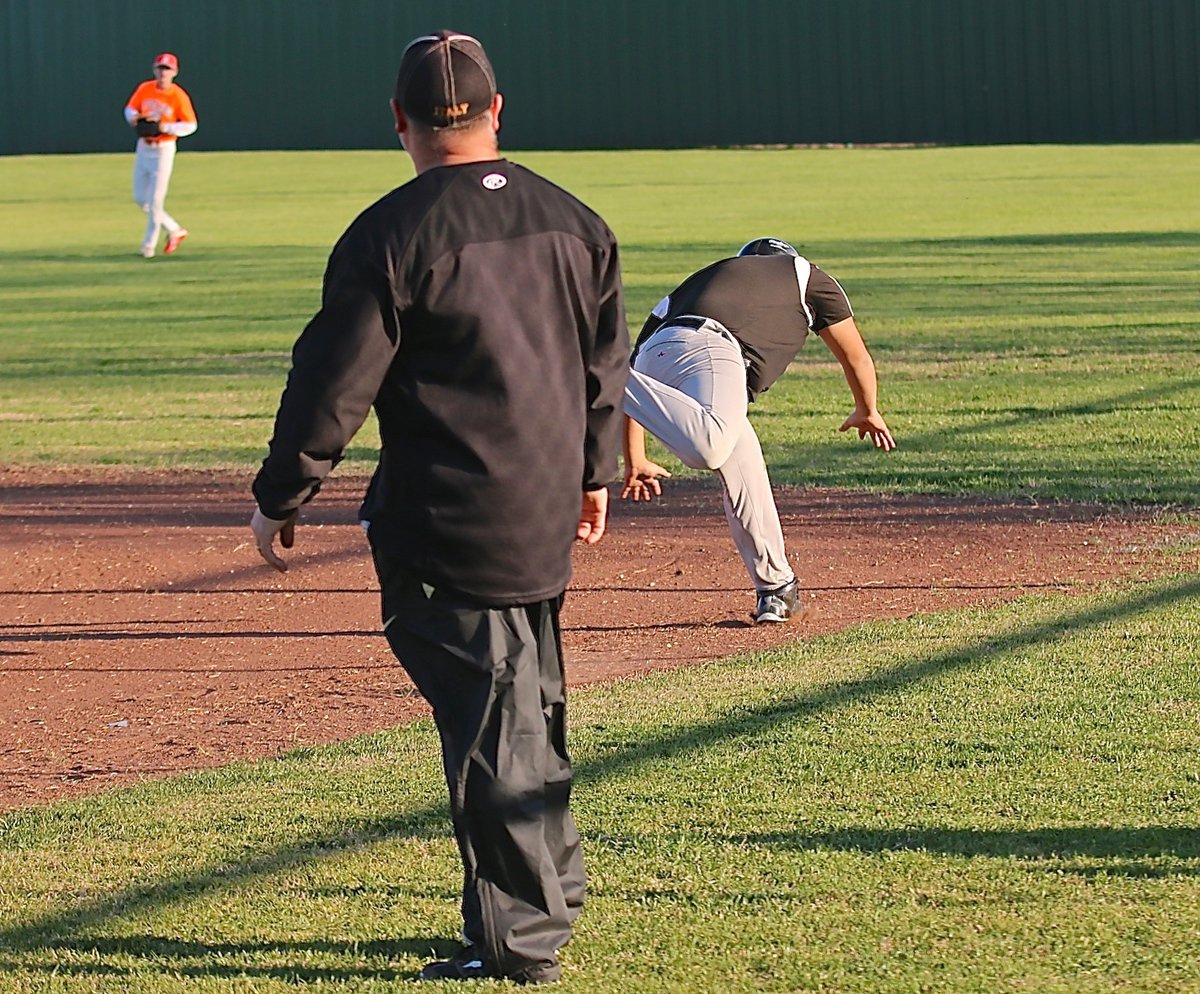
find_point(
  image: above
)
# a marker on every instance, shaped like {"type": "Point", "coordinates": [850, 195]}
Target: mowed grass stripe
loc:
{"type": "Point", "coordinates": [974, 801]}
{"type": "Point", "coordinates": [1032, 309]}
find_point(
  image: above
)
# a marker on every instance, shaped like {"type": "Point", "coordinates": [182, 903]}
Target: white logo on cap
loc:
{"type": "Point", "coordinates": [494, 181]}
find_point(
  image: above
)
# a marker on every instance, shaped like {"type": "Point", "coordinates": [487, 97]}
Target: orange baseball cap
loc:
{"type": "Point", "coordinates": [168, 60]}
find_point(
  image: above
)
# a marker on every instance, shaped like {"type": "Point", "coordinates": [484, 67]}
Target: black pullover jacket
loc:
{"type": "Point", "coordinates": [479, 309]}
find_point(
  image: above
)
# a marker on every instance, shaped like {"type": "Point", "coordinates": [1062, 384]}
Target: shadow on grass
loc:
{"type": "Point", "coordinates": [197, 960]}
{"type": "Point", "coordinates": [1086, 851]}
{"type": "Point", "coordinates": [64, 931]}
{"type": "Point", "coordinates": [973, 423]}
{"type": "Point", "coordinates": [894, 248]}
{"type": "Point", "coordinates": [980, 652]}
{"type": "Point", "coordinates": [68, 929]}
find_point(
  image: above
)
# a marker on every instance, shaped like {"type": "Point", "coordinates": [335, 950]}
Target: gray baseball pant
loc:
{"type": "Point", "coordinates": [688, 389]}
{"type": "Point", "coordinates": [494, 678]}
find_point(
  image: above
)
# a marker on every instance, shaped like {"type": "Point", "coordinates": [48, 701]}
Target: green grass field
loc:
{"type": "Point", "coordinates": [1002, 800]}
{"type": "Point", "coordinates": [999, 800]}
{"type": "Point", "coordinates": [1033, 310]}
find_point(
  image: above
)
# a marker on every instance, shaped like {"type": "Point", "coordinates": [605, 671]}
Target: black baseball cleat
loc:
{"type": "Point", "coordinates": [467, 964]}
{"type": "Point", "coordinates": [470, 963]}
{"type": "Point", "coordinates": [779, 605]}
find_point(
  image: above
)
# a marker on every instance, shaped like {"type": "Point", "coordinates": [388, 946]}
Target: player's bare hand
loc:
{"type": "Point", "coordinates": [593, 516]}
{"type": "Point", "coordinates": [265, 529]}
{"type": "Point", "coordinates": [641, 481]}
{"type": "Point", "coordinates": [873, 426]}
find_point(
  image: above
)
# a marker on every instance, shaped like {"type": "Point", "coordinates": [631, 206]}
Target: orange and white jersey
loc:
{"type": "Point", "coordinates": [172, 108]}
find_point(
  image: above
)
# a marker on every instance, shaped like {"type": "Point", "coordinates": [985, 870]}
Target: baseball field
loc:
{"type": "Point", "coordinates": [977, 769]}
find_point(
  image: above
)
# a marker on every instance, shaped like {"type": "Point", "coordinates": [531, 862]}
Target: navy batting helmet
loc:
{"type": "Point", "coordinates": [767, 246]}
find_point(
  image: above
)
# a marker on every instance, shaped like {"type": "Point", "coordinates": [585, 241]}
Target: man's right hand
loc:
{"type": "Point", "coordinates": [265, 529]}
{"type": "Point", "coordinates": [641, 481]}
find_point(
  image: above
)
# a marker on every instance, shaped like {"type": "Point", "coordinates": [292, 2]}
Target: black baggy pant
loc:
{"type": "Point", "coordinates": [494, 678]}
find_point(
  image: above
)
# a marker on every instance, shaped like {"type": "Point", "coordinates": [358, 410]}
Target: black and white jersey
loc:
{"type": "Point", "coordinates": [769, 303]}
{"type": "Point", "coordinates": [479, 309]}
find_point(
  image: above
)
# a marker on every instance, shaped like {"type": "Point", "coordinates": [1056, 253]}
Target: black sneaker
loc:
{"type": "Point", "coordinates": [471, 964]}
{"type": "Point", "coordinates": [467, 964]}
{"type": "Point", "coordinates": [779, 605]}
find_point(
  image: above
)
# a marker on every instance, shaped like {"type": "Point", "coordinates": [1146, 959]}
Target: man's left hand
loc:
{"type": "Point", "coordinates": [265, 529]}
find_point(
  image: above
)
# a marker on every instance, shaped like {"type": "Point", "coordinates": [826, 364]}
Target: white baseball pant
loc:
{"type": "Point", "coordinates": [688, 389]}
{"type": "Point", "coordinates": [152, 165]}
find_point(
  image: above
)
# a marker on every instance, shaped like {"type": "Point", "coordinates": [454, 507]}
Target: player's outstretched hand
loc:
{"type": "Point", "coordinates": [593, 516]}
{"type": "Point", "coordinates": [641, 481]}
{"type": "Point", "coordinates": [265, 529]}
{"type": "Point", "coordinates": [873, 425]}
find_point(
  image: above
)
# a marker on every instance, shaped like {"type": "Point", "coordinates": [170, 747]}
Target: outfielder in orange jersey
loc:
{"type": "Point", "coordinates": [160, 111]}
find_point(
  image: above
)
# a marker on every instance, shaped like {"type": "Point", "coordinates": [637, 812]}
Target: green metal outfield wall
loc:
{"type": "Point", "coordinates": [618, 73]}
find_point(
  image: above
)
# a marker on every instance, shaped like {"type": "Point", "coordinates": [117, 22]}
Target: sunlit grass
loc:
{"type": "Point", "coordinates": [1001, 799]}
{"type": "Point", "coordinates": [1032, 310]}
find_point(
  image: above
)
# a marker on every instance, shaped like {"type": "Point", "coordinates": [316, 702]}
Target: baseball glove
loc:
{"type": "Point", "coordinates": [146, 128]}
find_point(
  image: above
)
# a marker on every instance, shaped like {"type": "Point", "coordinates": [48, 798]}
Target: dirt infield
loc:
{"type": "Point", "coordinates": [142, 636]}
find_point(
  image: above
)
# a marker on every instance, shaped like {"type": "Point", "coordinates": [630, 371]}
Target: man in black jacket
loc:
{"type": "Point", "coordinates": [479, 309]}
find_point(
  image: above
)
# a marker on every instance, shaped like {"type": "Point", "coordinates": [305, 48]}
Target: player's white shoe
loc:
{"type": "Point", "coordinates": [174, 239]}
